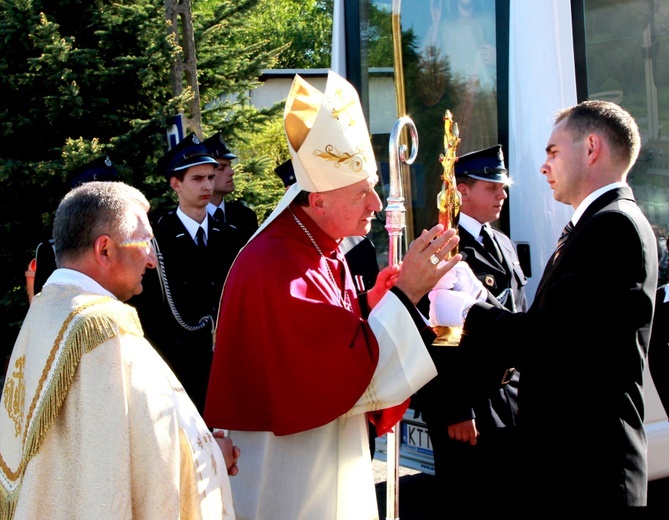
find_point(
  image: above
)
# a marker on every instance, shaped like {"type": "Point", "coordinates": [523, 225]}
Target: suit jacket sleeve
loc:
{"type": "Point", "coordinates": [594, 300]}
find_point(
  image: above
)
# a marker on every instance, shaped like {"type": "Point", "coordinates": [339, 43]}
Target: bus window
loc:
{"type": "Point", "coordinates": [627, 62]}
{"type": "Point", "coordinates": [450, 63]}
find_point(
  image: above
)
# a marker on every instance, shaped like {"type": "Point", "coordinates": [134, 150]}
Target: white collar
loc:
{"type": "Point", "coordinates": [471, 225]}
{"type": "Point", "coordinates": [211, 208]}
{"type": "Point", "coordinates": [64, 276]}
{"type": "Point", "coordinates": [192, 226]}
{"type": "Point", "coordinates": [592, 197]}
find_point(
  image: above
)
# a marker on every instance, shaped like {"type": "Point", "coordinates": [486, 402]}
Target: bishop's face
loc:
{"type": "Point", "coordinates": [349, 211]}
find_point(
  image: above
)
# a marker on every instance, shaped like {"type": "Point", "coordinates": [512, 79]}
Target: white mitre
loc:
{"type": "Point", "coordinates": [327, 135]}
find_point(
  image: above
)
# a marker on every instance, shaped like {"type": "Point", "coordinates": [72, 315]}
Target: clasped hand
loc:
{"type": "Point", "coordinates": [230, 452]}
{"type": "Point", "coordinates": [458, 290]}
{"type": "Point", "coordinates": [464, 431]}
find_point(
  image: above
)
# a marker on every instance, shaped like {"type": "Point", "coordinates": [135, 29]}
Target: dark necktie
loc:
{"type": "Point", "coordinates": [201, 244]}
{"type": "Point", "coordinates": [219, 215]}
{"type": "Point", "coordinates": [563, 238]}
{"type": "Point", "coordinates": [490, 245]}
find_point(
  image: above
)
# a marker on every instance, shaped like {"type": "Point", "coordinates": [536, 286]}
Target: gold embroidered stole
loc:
{"type": "Point", "coordinates": [93, 320]}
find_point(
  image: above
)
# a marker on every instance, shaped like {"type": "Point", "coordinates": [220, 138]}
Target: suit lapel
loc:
{"type": "Point", "coordinates": [597, 205]}
{"type": "Point", "coordinates": [472, 247]}
{"type": "Point", "coordinates": [174, 230]}
{"type": "Point", "coordinates": [507, 255]}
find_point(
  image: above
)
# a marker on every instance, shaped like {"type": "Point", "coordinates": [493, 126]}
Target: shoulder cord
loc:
{"type": "Point", "coordinates": [507, 296]}
{"type": "Point", "coordinates": [167, 295]}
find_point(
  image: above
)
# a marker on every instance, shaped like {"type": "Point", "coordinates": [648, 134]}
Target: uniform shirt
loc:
{"type": "Point", "coordinates": [178, 306]}
{"type": "Point", "coordinates": [237, 215]}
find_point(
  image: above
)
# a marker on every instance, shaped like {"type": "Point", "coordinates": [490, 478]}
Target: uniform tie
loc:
{"type": "Point", "coordinates": [490, 245]}
{"type": "Point", "coordinates": [201, 244]}
{"type": "Point", "coordinates": [563, 238]}
{"type": "Point", "coordinates": [219, 214]}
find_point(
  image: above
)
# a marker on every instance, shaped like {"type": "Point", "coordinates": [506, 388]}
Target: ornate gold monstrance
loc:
{"type": "Point", "coordinates": [448, 203]}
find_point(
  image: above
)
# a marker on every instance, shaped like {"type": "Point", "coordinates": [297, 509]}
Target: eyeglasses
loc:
{"type": "Point", "coordinates": [143, 243]}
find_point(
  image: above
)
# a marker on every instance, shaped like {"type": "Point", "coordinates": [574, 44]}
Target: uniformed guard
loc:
{"type": "Point", "coordinates": [470, 408]}
{"type": "Point", "coordinates": [233, 212]}
{"type": "Point", "coordinates": [179, 304]}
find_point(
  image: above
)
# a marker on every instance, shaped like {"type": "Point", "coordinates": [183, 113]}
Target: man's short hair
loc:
{"type": "Point", "coordinates": [616, 124]}
{"type": "Point", "coordinates": [302, 198]}
{"type": "Point", "coordinates": [463, 179]}
{"type": "Point", "coordinates": [94, 209]}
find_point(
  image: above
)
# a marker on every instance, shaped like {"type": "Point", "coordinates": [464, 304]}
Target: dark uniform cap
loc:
{"type": "Point", "coordinates": [484, 165]}
{"type": "Point", "coordinates": [187, 153]}
{"type": "Point", "coordinates": [216, 146]}
{"type": "Point", "coordinates": [286, 173]}
{"type": "Point", "coordinates": [100, 169]}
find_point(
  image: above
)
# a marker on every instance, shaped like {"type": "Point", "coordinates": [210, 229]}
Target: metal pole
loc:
{"type": "Point", "coordinates": [395, 212]}
{"type": "Point", "coordinates": [395, 224]}
{"type": "Point", "coordinates": [400, 99]}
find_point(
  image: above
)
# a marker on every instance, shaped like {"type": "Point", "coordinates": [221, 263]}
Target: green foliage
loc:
{"type": "Point", "coordinates": [259, 153]}
{"type": "Point", "coordinates": [79, 79]}
{"type": "Point", "coordinates": [380, 34]}
{"type": "Point", "coordinates": [305, 26]}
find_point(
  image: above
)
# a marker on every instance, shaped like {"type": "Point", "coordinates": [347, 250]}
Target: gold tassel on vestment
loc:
{"type": "Point", "coordinates": [87, 327]}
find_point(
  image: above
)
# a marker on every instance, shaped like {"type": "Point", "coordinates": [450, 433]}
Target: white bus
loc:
{"type": "Point", "coordinates": [503, 67]}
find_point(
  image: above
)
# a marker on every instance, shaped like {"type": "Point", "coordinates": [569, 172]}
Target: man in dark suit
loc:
{"type": "Point", "coordinates": [233, 212]}
{"type": "Point", "coordinates": [471, 407]}
{"type": "Point", "coordinates": [179, 304]}
{"type": "Point", "coordinates": [581, 346]}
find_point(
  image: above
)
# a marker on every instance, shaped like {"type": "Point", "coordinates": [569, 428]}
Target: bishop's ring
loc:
{"type": "Point", "coordinates": [434, 259]}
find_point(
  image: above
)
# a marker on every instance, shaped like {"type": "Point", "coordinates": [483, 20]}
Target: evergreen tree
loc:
{"type": "Point", "coordinates": [79, 79]}
{"type": "Point", "coordinates": [303, 26]}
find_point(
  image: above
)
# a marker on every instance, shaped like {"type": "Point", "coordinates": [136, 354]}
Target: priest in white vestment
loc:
{"type": "Point", "coordinates": [93, 424]}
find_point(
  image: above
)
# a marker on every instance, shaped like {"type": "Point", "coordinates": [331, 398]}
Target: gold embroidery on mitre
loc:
{"type": "Point", "coordinates": [338, 113]}
{"type": "Point", "coordinates": [355, 161]}
{"type": "Point", "coordinates": [15, 395]}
